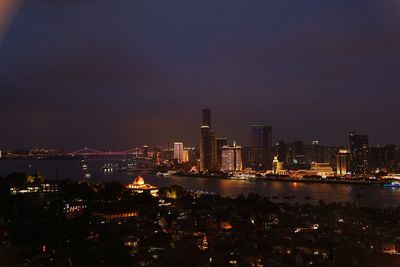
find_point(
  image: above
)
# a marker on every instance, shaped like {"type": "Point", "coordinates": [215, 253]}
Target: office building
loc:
{"type": "Point", "coordinates": [391, 158]}
{"type": "Point", "coordinates": [261, 147]}
{"type": "Point", "coordinates": [383, 158]}
{"type": "Point", "coordinates": [281, 151]}
{"type": "Point", "coordinates": [277, 166]}
{"type": "Point", "coordinates": [343, 162]}
{"type": "Point", "coordinates": [232, 158]}
{"type": "Point", "coordinates": [295, 155]}
{"type": "Point", "coordinates": [317, 152]}
{"type": "Point", "coordinates": [359, 150]}
{"type": "Point", "coordinates": [208, 146]}
{"type": "Point", "coordinates": [178, 152]}
{"type": "Point", "coordinates": [221, 142]}
{"type": "Point", "coordinates": [192, 156]}
{"type": "Point", "coordinates": [208, 150]}
{"type": "Point", "coordinates": [185, 155]}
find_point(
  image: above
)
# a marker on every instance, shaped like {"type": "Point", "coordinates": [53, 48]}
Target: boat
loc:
{"type": "Point", "coordinates": [166, 174]}
{"type": "Point", "coordinates": [239, 177]}
{"type": "Point", "coordinates": [392, 184]}
{"type": "Point", "coordinates": [242, 176]}
{"type": "Point", "coordinates": [109, 167]}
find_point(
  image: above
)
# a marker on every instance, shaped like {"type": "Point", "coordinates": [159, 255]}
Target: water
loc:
{"type": "Point", "coordinates": [363, 195]}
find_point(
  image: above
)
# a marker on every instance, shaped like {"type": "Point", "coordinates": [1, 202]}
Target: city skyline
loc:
{"type": "Point", "coordinates": [199, 133]}
{"type": "Point", "coordinates": [123, 81]}
{"type": "Point", "coordinates": [169, 143]}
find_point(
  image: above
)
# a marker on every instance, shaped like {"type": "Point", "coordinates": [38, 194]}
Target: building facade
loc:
{"type": "Point", "coordinates": [343, 162]}
{"type": "Point", "coordinates": [221, 142]}
{"type": "Point", "coordinates": [232, 158]}
{"type": "Point", "coordinates": [359, 150]}
{"type": "Point", "coordinates": [178, 152]}
{"type": "Point", "coordinates": [261, 147]}
{"type": "Point", "coordinates": [208, 146]}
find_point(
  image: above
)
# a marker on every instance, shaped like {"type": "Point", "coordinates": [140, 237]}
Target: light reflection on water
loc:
{"type": "Point", "coordinates": [363, 195]}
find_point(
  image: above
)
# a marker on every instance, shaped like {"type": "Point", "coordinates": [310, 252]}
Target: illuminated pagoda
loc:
{"type": "Point", "coordinates": [139, 186]}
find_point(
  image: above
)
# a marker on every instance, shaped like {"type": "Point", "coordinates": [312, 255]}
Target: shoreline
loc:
{"type": "Point", "coordinates": [287, 179]}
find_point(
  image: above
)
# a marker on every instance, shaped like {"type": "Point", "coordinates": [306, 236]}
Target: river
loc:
{"type": "Point", "coordinates": [363, 195]}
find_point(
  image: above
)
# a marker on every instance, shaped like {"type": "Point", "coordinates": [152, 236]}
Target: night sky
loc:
{"type": "Point", "coordinates": [117, 74]}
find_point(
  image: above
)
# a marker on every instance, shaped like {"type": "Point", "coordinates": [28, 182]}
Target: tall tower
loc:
{"type": "Point", "coordinates": [221, 142]}
{"type": "Point", "coordinates": [281, 152]}
{"type": "Point", "coordinates": [343, 162]}
{"type": "Point", "coordinates": [261, 147]}
{"type": "Point", "coordinates": [359, 150]}
{"type": "Point", "coordinates": [178, 152]}
{"type": "Point", "coordinates": [208, 146]}
{"type": "Point", "coordinates": [206, 117]}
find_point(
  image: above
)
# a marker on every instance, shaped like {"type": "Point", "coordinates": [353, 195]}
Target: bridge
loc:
{"type": "Point", "coordinates": [88, 152]}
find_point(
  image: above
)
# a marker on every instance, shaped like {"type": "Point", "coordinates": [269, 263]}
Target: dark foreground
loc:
{"type": "Point", "coordinates": [78, 224]}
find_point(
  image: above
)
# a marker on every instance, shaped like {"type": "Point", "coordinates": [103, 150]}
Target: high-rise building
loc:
{"type": "Point", "coordinates": [391, 158]}
{"type": "Point", "coordinates": [186, 155]}
{"type": "Point", "coordinates": [277, 165]}
{"type": "Point", "coordinates": [383, 158]}
{"type": "Point", "coordinates": [208, 150]}
{"type": "Point", "coordinates": [331, 155]}
{"type": "Point", "coordinates": [246, 153]}
{"type": "Point", "coordinates": [178, 152]}
{"type": "Point", "coordinates": [376, 157]}
{"type": "Point", "coordinates": [261, 147]}
{"type": "Point", "coordinates": [317, 152]}
{"type": "Point", "coordinates": [232, 158]}
{"type": "Point", "coordinates": [221, 142]}
{"type": "Point", "coordinates": [295, 158]}
{"type": "Point", "coordinates": [281, 152]}
{"type": "Point", "coordinates": [359, 150]}
{"type": "Point", "coordinates": [208, 146]}
{"type": "Point", "coordinates": [343, 162]}
{"type": "Point", "coordinates": [192, 156]}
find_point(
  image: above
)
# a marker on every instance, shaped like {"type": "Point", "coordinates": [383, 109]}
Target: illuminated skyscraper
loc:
{"type": "Point", "coordinates": [186, 155]}
{"type": "Point", "coordinates": [359, 150]}
{"type": "Point", "coordinates": [261, 147]}
{"type": "Point", "coordinates": [343, 162]}
{"type": "Point", "coordinates": [208, 146]}
{"type": "Point", "coordinates": [277, 165]}
{"type": "Point", "coordinates": [178, 152]}
{"type": "Point", "coordinates": [221, 142]}
{"type": "Point", "coordinates": [191, 156]}
{"type": "Point", "coordinates": [208, 150]}
{"type": "Point", "coordinates": [232, 158]}
{"type": "Point", "coordinates": [281, 152]}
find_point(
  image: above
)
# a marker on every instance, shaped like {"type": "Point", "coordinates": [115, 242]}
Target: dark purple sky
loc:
{"type": "Point", "coordinates": [116, 74]}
